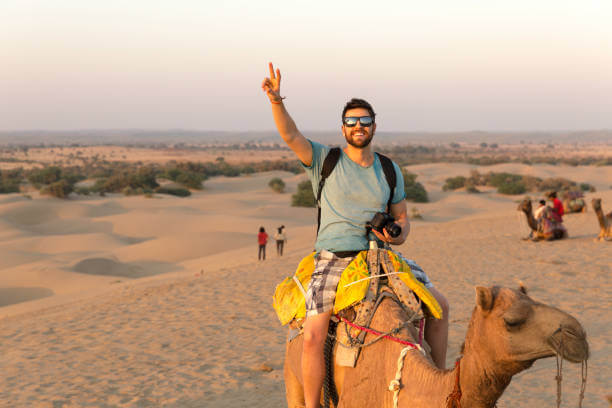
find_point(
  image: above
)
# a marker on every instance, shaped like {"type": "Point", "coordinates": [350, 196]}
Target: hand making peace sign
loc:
{"type": "Point", "coordinates": [271, 85]}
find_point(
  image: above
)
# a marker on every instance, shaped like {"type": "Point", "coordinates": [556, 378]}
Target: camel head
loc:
{"type": "Point", "coordinates": [514, 330]}
{"type": "Point", "coordinates": [596, 202]}
{"type": "Point", "coordinates": [525, 206]}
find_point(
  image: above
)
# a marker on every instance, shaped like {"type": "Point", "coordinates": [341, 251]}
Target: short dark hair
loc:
{"type": "Point", "coordinates": [359, 103]}
{"type": "Point", "coordinates": [552, 194]}
{"type": "Point", "coordinates": [542, 202]}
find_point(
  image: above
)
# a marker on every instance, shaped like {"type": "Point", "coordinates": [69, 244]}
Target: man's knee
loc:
{"type": "Point", "coordinates": [444, 305]}
{"type": "Point", "coordinates": [314, 338]}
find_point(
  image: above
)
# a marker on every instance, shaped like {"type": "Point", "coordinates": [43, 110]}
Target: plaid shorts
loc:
{"type": "Point", "coordinates": [321, 291]}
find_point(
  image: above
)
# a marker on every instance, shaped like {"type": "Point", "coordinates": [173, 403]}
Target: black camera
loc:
{"type": "Point", "coordinates": [385, 221]}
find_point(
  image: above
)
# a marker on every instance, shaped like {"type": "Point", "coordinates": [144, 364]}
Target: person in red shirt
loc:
{"type": "Point", "coordinates": [262, 239]}
{"type": "Point", "coordinates": [557, 206]}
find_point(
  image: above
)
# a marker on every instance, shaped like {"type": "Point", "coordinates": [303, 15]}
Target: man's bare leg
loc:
{"type": "Point", "coordinates": [436, 331]}
{"type": "Point", "coordinates": [313, 362]}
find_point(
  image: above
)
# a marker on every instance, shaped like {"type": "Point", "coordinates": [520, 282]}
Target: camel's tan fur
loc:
{"type": "Point", "coordinates": [508, 331]}
{"type": "Point", "coordinates": [605, 221]}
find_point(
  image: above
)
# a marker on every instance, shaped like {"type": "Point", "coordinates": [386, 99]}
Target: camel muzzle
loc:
{"type": "Point", "coordinates": [570, 342]}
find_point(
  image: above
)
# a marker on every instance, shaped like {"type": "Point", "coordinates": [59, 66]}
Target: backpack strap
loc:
{"type": "Point", "coordinates": [328, 166]}
{"type": "Point", "coordinates": [389, 170]}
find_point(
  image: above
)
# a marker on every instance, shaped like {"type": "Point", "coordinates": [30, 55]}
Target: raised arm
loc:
{"type": "Point", "coordinates": [285, 125]}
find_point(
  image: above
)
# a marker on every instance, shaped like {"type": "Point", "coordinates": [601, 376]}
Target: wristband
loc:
{"type": "Point", "coordinates": [277, 101]}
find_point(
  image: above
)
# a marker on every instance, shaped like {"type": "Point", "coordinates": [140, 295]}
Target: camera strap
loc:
{"type": "Point", "coordinates": [330, 163]}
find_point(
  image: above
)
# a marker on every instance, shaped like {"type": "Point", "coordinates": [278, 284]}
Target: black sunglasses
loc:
{"type": "Point", "coordinates": [365, 121]}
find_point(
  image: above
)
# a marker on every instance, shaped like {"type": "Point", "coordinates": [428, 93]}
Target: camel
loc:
{"type": "Point", "coordinates": [605, 221]}
{"type": "Point", "coordinates": [507, 333]}
{"type": "Point", "coordinates": [547, 230]}
{"type": "Point", "coordinates": [573, 202]}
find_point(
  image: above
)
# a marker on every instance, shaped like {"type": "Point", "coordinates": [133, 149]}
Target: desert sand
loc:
{"type": "Point", "coordinates": [135, 302]}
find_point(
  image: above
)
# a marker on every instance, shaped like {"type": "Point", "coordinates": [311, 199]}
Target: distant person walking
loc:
{"type": "Point", "coordinates": [280, 238]}
{"type": "Point", "coordinates": [262, 239]}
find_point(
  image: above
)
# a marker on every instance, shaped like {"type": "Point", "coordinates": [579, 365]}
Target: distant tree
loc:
{"type": "Point", "coordinates": [276, 184]}
{"type": "Point", "coordinates": [413, 189]}
{"type": "Point", "coordinates": [483, 145]}
{"type": "Point", "coordinates": [453, 183]}
{"type": "Point", "coordinates": [304, 197]}
{"type": "Point", "coordinates": [59, 189]}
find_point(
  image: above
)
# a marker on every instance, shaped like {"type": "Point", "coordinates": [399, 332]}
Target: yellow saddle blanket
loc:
{"type": "Point", "coordinates": [289, 302]}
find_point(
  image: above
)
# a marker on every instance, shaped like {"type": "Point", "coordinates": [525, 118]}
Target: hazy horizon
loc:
{"type": "Point", "coordinates": [439, 67]}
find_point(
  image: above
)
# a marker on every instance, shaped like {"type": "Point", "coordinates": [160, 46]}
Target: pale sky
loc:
{"type": "Point", "coordinates": [437, 65]}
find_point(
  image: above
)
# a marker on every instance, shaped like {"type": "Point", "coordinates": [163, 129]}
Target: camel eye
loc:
{"type": "Point", "coordinates": [513, 323]}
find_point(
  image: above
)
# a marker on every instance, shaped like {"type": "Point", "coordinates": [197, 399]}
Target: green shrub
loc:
{"type": "Point", "coordinates": [587, 187]}
{"type": "Point", "coordinates": [59, 189]}
{"type": "Point", "coordinates": [47, 175]}
{"type": "Point", "coordinates": [175, 191]}
{"type": "Point", "coordinates": [276, 184]}
{"type": "Point", "coordinates": [413, 189]}
{"type": "Point", "coordinates": [82, 190]}
{"type": "Point", "coordinates": [453, 183]}
{"type": "Point", "coordinates": [304, 196]}
{"type": "Point", "coordinates": [512, 188]}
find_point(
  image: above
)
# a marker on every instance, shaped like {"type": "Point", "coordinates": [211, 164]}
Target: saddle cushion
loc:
{"type": "Point", "coordinates": [289, 302]}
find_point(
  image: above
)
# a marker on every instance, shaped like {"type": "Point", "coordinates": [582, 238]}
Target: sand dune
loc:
{"type": "Point", "coordinates": [129, 301]}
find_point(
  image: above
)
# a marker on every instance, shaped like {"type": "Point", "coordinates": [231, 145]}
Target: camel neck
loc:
{"type": "Point", "coordinates": [482, 383]}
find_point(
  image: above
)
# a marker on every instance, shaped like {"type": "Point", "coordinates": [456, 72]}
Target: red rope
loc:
{"type": "Point", "coordinates": [377, 333]}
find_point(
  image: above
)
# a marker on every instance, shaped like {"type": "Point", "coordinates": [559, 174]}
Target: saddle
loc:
{"type": "Point", "coordinates": [358, 294]}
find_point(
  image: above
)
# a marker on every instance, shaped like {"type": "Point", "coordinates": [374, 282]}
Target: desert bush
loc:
{"type": "Point", "coordinates": [276, 184]}
{"type": "Point", "coordinates": [413, 189]}
{"type": "Point", "coordinates": [59, 189]}
{"type": "Point", "coordinates": [46, 175]}
{"type": "Point", "coordinates": [587, 187]}
{"type": "Point", "coordinates": [512, 188]}
{"type": "Point", "coordinates": [175, 191]}
{"type": "Point", "coordinates": [453, 183]}
{"type": "Point", "coordinates": [304, 196]}
{"type": "Point", "coordinates": [82, 190]}
{"type": "Point", "coordinates": [470, 187]}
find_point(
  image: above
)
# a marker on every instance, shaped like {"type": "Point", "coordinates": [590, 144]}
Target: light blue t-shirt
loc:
{"type": "Point", "coordinates": [352, 194]}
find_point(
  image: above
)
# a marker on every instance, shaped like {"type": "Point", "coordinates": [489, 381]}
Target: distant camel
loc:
{"type": "Point", "coordinates": [605, 221]}
{"type": "Point", "coordinates": [573, 201]}
{"type": "Point", "coordinates": [548, 229]}
{"type": "Point", "coordinates": [507, 333]}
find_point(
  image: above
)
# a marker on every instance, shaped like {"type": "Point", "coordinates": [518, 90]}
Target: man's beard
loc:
{"type": "Point", "coordinates": [360, 145]}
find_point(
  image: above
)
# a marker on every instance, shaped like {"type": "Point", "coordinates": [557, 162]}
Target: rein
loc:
{"type": "Point", "coordinates": [559, 376]}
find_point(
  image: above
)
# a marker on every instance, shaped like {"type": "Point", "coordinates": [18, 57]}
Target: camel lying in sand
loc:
{"type": "Point", "coordinates": [573, 202]}
{"type": "Point", "coordinates": [605, 221]}
{"type": "Point", "coordinates": [507, 333]}
{"type": "Point", "coordinates": [548, 229]}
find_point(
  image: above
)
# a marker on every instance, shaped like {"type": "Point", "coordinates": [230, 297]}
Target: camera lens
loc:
{"type": "Point", "coordinates": [393, 229]}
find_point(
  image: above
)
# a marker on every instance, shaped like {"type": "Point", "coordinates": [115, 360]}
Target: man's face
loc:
{"type": "Point", "coordinates": [358, 136]}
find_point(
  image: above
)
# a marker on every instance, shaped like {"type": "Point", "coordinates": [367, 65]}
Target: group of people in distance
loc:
{"type": "Point", "coordinates": [262, 239]}
{"type": "Point", "coordinates": [549, 211]}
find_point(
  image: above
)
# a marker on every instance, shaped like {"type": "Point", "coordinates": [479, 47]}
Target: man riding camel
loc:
{"type": "Point", "coordinates": [355, 191]}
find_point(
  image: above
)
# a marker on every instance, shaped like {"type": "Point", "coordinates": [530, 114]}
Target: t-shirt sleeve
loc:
{"type": "Point", "coordinates": [319, 152]}
{"type": "Point", "coordinates": [399, 194]}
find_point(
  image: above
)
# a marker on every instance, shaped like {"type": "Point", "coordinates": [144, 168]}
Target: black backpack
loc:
{"type": "Point", "coordinates": [330, 163]}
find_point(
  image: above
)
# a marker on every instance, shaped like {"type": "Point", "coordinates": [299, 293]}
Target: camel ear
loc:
{"type": "Point", "coordinates": [484, 298]}
{"type": "Point", "coordinates": [522, 287]}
